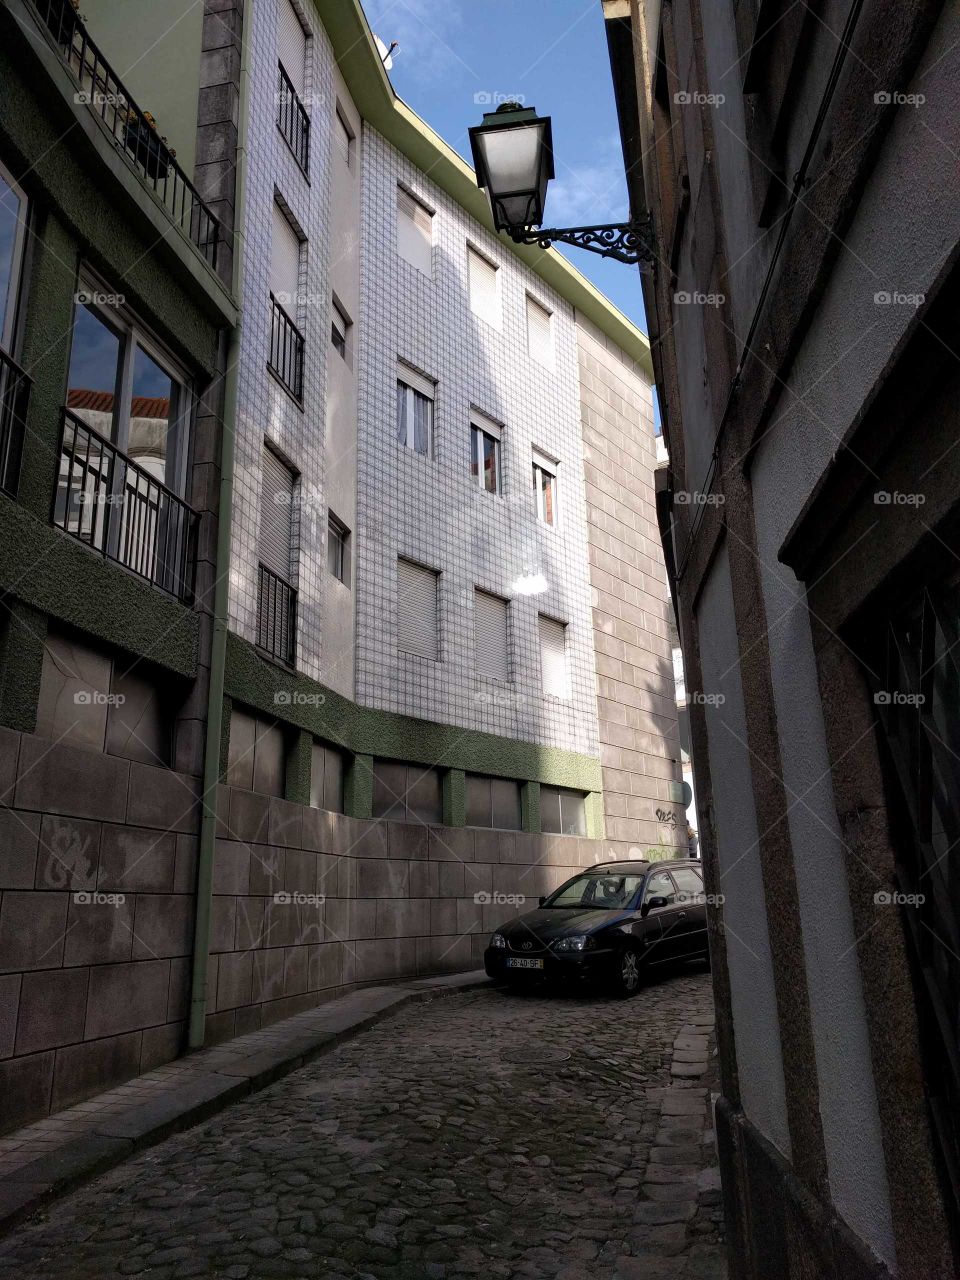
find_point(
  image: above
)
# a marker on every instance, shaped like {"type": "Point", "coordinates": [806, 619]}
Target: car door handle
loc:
{"type": "Point", "coordinates": [681, 915]}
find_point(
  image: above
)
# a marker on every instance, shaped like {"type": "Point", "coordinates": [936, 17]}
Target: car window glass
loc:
{"type": "Point", "coordinates": [689, 884]}
{"type": "Point", "coordinates": [660, 886]}
{"type": "Point", "coordinates": [602, 891]}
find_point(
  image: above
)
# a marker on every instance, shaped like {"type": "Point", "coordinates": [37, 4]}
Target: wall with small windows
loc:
{"type": "Point", "coordinates": [454, 409]}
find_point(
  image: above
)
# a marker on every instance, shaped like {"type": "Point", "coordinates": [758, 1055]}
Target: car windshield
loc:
{"type": "Point", "coordinates": [600, 891]}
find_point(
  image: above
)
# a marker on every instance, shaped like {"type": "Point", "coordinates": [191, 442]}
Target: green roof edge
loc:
{"type": "Point", "coordinates": [377, 102]}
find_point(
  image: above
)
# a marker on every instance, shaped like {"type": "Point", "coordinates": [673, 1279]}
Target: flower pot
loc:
{"type": "Point", "coordinates": [147, 148]}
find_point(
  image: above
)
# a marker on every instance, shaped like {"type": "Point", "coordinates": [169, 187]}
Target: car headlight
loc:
{"type": "Point", "coordinates": [498, 940]}
{"type": "Point", "coordinates": [574, 942]}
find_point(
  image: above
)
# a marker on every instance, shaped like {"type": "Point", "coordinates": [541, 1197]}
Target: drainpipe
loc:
{"type": "Point", "coordinates": [218, 656]}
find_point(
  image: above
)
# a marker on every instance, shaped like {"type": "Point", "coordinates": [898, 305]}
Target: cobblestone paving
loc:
{"type": "Point", "coordinates": [481, 1135]}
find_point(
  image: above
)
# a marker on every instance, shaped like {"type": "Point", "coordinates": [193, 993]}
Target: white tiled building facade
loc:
{"type": "Point", "coordinates": [506, 360]}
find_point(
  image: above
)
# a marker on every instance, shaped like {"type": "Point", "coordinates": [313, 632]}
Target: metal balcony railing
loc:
{"type": "Point", "coordinates": [292, 119]}
{"type": "Point", "coordinates": [14, 393]}
{"type": "Point", "coordinates": [116, 507]}
{"type": "Point", "coordinates": [286, 350]}
{"type": "Point", "coordinates": [133, 130]}
{"type": "Point", "coordinates": [276, 616]}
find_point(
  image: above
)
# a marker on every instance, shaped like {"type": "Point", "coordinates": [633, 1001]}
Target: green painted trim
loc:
{"type": "Point", "coordinates": [21, 664]}
{"type": "Point", "coordinates": [358, 787]}
{"type": "Point", "coordinates": [454, 798]}
{"type": "Point", "coordinates": [297, 700]}
{"type": "Point", "coordinates": [593, 811]}
{"type": "Point", "coordinates": [299, 768]}
{"type": "Point", "coordinates": [376, 101]}
{"type": "Point", "coordinates": [70, 583]}
{"type": "Point", "coordinates": [530, 807]}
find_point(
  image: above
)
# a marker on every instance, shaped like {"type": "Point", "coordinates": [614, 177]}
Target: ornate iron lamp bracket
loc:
{"type": "Point", "coordinates": [629, 242]}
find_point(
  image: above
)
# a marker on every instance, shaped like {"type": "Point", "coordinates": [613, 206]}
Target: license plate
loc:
{"type": "Point", "coordinates": [515, 962]}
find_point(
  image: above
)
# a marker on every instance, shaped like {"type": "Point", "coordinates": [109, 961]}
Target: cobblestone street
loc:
{"type": "Point", "coordinates": [483, 1134]}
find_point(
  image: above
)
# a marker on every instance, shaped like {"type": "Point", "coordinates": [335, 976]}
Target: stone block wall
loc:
{"type": "Point", "coordinates": [97, 878]}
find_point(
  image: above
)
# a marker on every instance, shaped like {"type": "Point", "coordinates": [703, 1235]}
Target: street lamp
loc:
{"type": "Point", "coordinates": [513, 157]}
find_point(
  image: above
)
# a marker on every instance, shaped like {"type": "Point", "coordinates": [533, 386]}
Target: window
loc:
{"type": "Point", "coordinates": [660, 885]}
{"type": "Point", "coordinates": [553, 658]}
{"type": "Point", "coordinates": [491, 636]}
{"type": "Point", "coordinates": [417, 610]}
{"type": "Point", "coordinates": [326, 778]}
{"type": "Point", "coordinates": [13, 230]}
{"type": "Point", "coordinates": [545, 488]}
{"type": "Point", "coordinates": [485, 454]}
{"type": "Point", "coordinates": [292, 45]}
{"type": "Point", "coordinates": [415, 411]}
{"type": "Point", "coordinates": [406, 793]}
{"type": "Point", "coordinates": [338, 550]}
{"type": "Point", "coordinates": [343, 139]}
{"type": "Point", "coordinates": [286, 341]}
{"type": "Point", "coordinates": [276, 599]}
{"type": "Point", "coordinates": [257, 757]}
{"type": "Point", "coordinates": [484, 287]}
{"type": "Point", "coordinates": [539, 333]}
{"type": "Point", "coordinates": [563, 812]}
{"type": "Point", "coordinates": [91, 698]}
{"type": "Point", "coordinates": [689, 884]}
{"type": "Point", "coordinates": [414, 232]}
{"type": "Point", "coordinates": [606, 891]}
{"type": "Point", "coordinates": [493, 802]}
{"type": "Point", "coordinates": [340, 327]}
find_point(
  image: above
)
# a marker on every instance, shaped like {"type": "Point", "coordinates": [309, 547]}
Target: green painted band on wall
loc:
{"type": "Point", "coordinates": [299, 701]}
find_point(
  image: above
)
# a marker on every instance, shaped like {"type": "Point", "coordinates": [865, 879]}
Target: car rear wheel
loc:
{"type": "Point", "coordinates": [626, 974]}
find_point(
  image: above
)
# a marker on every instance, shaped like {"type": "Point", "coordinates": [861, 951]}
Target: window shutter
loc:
{"type": "Point", "coordinates": [417, 624]}
{"type": "Point", "coordinates": [414, 232]}
{"type": "Point", "coordinates": [291, 45]}
{"type": "Point", "coordinates": [342, 137]}
{"type": "Point", "coordinates": [484, 301]}
{"type": "Point", "coordinates": [539, 333]}
{"type": "Point", "coordinates": [276, 515]}
{"type": "Point", "coordinates": [553, 658]}
{"type": "Point", "coordinates": [284, 262]}
{"type": "Point", "coordinates": [490, 632]}
{"type": "Point", "coordinates": [410, 378]}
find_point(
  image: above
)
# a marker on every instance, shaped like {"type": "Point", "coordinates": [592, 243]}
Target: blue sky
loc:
{"type": "Point", "coordinates": [552, 55]}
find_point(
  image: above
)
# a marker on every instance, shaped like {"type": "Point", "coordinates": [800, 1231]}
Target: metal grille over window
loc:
{"type": "Point", "coordinates": [292, 119]}
{"type": "Point", "coordinates": [491, 636]}
{"type": "Point", "coordinates": [539, 334]}
{"type": "Point", "coordinates": [916, 707]}
{"type": "Point", "coordinates": [415, 411]}
{"type": "Point", "coordinates": [414, 232]}
{"type": "Point", "coordinates": [553, 658]}
{"type": "Point", "coordinates": [417, 610]}
{"type": "Point", "coordinates": [484, 288]}
{"type": "Point", "coordinates": [286, 341]}
{"type": "Point", "coordinates": [276, 598]}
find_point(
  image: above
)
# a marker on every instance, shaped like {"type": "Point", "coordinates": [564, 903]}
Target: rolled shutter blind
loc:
{"type": "Point", "coordinates": [414, 232]}
{"type": "Point", "coordinates": [553, 657]}
{"type": "Point", "coordinates": [410, 378]}
{"type": "Point", "coordinates": [539, 333]}
{"type": "Point", "coordinates": [483, 287]}
{"type": "Point", "coordinates": [276, 515]}
{"type": "Point", "coordinates": [490, 631]}
{"type": "Point", "coordinates": [417, 629]}
{"type": "Point", "coordinates": [291, 45]}
{"type": "Point", "coordinates": [343, 139]}
{"type": "Point", "coordinates": [284, 262]}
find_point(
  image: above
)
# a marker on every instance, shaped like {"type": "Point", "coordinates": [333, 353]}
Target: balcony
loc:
{"type": "Point", "coordinates": [286, 350]}
{"type": "Point", "coordinates": [116, 507]}
{"type": "Point", "coordinates": [292, 120]}
{"type": "Point", "coordinates": [276, 616]}
{"type": "Point", "coordinates": [133, 131]}
{"type": "Point", "coordinates": [14, 393]}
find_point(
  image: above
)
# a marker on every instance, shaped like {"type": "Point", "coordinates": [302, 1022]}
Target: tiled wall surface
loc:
{"type": "Point", "coordinates": [636, 700]}
{"type": "Point", "coordinates": [97, 903]}
{"type": "Point", "coordinates": [431, 510]}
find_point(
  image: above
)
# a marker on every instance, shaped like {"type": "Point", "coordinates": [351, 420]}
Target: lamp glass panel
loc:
{"type": "Point", "coordinates": [512, 158]}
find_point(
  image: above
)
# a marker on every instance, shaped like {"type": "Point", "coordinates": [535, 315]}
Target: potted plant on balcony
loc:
{"type": "Point", "coordinates": [146, 145]}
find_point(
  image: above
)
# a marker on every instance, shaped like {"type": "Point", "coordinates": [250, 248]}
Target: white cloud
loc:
{"type": "Point", "coordinates": [590, 193]}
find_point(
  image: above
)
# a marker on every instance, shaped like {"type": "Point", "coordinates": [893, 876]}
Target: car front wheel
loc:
{"type": "Point", "coordinates": [626, 974]}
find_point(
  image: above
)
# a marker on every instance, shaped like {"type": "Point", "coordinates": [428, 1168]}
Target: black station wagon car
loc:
{"type": "Point", "coordinates": [609, 922]}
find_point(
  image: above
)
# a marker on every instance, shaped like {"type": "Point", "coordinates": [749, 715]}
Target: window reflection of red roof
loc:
{"type": "Point", "coordinates": [102, 402]}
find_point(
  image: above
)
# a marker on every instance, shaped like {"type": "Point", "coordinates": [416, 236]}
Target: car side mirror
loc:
{"type": "Point", "coordinates": [653, 904]}
{"type": "Point", "coordinates": [541, 901]}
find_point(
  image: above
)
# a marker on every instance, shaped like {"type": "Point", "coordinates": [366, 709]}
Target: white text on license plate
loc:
{"type": "Point", "coordinates": [516, 962]}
